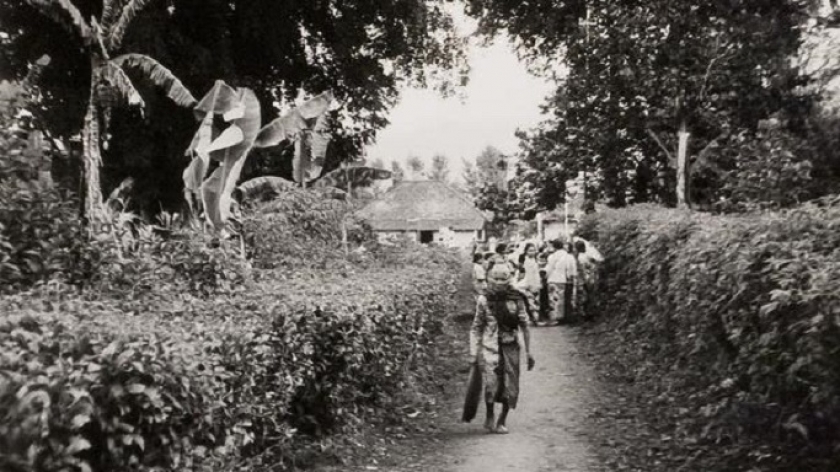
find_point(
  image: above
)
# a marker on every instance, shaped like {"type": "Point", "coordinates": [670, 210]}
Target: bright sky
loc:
{"type": "Point", "coordinates": [500, 98]}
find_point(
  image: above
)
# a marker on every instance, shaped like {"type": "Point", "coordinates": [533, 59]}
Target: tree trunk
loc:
{"type": "Point", "coordinates": [683, 181]}
{"type": "Point", "coordinates": [91, 153]}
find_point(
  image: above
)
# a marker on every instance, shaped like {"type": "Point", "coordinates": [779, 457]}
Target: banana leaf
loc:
{"type": "Point", "coordinates": [230, 150]}
{"type": "Point", "coordinates": [348, 178]}
{"type": "Point", "coordinates": [264, 188]}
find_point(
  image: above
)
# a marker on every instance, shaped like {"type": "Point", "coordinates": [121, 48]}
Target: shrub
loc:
{"type": "Point", "coordinates": [241, 373]}
{"type": "Point", "coordinates": [39, 233]}
{"type": "Point", "coordinates": [745, 308]}
{"type": "Point", "coordinates": [71, 400]}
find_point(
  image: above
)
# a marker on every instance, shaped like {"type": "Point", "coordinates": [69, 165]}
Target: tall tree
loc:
{"type": "Point", "coordinates": [490, 169]}
{"type": "Point", "coordinates": [416, 166]}
{"type": "Point", "coordinates": [397, 172]}
{"type": "Point", "coordinates": [440, 168]}
{"type": "Point", "coordinates": [101, 39]}
{"type": "Point", "coordinates": [362, 50]}
{"type": "Point", "coordinates": [642, 75]}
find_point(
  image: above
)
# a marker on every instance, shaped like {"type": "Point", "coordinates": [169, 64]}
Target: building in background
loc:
{"type": "Point", "coordinates": [427, 212]}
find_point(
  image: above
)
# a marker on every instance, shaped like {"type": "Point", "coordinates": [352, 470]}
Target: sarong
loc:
{"type": "Point", "coordinates": [501, 379]}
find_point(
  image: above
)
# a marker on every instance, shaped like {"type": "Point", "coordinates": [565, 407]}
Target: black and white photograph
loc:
{"type": "Point", "coordinates": [419, 235]}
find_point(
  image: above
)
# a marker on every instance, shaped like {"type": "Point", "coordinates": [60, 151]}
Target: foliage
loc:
{"type": "Point", "coordinates": [736, 316]}
{"type": "Point", "coordinates": [440, 168]}
{"type": "Point", "coordinates": [490, 168]}
{"type": "Point", "coordinates": [230, 145]}
{"type": "Point", "coordinates": [263, 188]}
{"type": "Point", "coordinates": [39, 230]}
{"type": "Point", "coordinates": [101, 38]}
{"type": "Point", "coordinates": [416, 167]}
{"type": "Point", "coordinates": [39, 233]}
{"type": "Point", "coordinates": [768, 171]}
{"type": "Point", "coordinates": [348, 178]}
{"type": "Point", "coordinates": [361, 50]}
{"type": "Point", "coordinates": [397, 172]}
{"type": "Point", "coordinates": [638, 72]}
{"type": "Point", "coordinates": [301, 228]}
{"type": "Point", "coordinates": [218, 379]}
{"type": "Point", "coordinates": [75, 400]}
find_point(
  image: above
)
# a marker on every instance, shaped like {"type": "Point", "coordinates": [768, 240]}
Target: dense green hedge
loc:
{"type": "Point", "coordinates": [113, 386]}
{"type": "Point", "coordinates": [745, 311]}
{"type": "Point", "coordinates": [158, 348]}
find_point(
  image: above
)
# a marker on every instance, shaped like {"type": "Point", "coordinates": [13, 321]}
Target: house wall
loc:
{"type": "Point", "coordinates": [456, 239]}
{"type": "Point", "coordinates": [386, 236]}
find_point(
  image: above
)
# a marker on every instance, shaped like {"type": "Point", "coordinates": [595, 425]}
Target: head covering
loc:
{"type": "Point", "coordinates": [500, 273]}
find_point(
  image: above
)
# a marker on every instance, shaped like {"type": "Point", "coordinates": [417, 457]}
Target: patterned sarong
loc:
{"type": "Point", "coordinates": [501, 379]}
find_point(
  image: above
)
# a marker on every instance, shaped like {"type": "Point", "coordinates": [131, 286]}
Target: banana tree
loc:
{"type": "Point", "coordinates": [230, 144]}
{"type": "Point", "coordinates": [109, 84]}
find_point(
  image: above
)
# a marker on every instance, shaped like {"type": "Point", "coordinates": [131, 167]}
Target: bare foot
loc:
{"type": "Point", "coordinates": [489, 424]}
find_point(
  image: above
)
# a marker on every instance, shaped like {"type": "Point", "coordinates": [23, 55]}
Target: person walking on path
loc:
{"type": "Point", "coordinates": [561, 272]}
{"type": "Point", "coordinates": [494, 344]}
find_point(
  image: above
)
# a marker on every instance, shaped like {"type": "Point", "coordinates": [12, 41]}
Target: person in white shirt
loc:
{"type": "Point", "coordinates": [561, 271]}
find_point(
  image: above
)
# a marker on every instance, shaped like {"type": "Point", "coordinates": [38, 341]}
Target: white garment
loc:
{"type": "Point", "coordinates": [561, 267]}
{"type": "Point", "coordinates": [531, 280]}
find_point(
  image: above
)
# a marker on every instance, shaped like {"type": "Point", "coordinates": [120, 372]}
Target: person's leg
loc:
{"type": "Point", "coordinates": [501, 426]}
{"type": "Point", "coordinates": [535, 299]}
{"type": "Point", "coordinates": [568, 305]}
{"type": "Point", "coordinates": [555, 291]}
{"type": "Point", "coordinates": [489, 423]}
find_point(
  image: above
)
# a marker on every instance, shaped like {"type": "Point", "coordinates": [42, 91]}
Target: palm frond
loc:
{"type": "Point", "coordinates": [115, 76]}
{"type": "Point", "coordinates": [110, 12]}
{"type": "Point", "coordinates": [264, 188]}
{"type": "Point", "coordinates": [59, 10]}
{"type": "Point", "coordinates": [128, 13]}
{"type": "Point", "coordinates": [159, 75]}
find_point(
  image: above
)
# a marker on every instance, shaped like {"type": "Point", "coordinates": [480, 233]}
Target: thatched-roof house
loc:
{"type": "Point", "coordinates": [426, 211]}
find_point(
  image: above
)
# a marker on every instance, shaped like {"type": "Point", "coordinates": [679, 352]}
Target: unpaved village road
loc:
{"type": "Point", "coordinates": [546, 430]}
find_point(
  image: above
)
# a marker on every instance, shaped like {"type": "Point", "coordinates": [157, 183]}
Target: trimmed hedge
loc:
{"type": "Point", "coordinates": [88, 386]}
{"type": "Point", "coordinates": [159, 351]}
{"type": "Point", "coordinates": [743, 313]}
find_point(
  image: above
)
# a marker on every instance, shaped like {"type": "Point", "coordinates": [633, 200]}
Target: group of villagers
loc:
{"type": "Point", "coordinates": [510, 288]}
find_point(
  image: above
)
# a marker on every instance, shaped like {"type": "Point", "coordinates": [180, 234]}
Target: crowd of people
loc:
{"type": "Point", "coordinates": [544, 284]}
{"type": "Point", "coordinates": [557, 278]}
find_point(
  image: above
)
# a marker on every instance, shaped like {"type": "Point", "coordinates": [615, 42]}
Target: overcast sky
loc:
{"type": "Point", "coordinates": [500, 98]}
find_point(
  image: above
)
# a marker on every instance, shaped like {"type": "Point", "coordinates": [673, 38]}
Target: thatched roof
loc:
{"type": "Point", "coordinates": [422, 206]}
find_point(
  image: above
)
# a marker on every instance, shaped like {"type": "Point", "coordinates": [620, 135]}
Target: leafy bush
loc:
{"type": "Point", "coordinates": [71, 400]}
{"type": "Point", "coordinates": [253, 370]}
{"type": "Point", "coordinates": [301, 228]}
{"type": "Point", "coordinates": [743, 310]}
{"type": "Point", "coordinates": [39, 233]}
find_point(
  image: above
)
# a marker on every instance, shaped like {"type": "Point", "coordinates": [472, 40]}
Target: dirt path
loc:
{"type": "Point", "coordinates": [547, 429]}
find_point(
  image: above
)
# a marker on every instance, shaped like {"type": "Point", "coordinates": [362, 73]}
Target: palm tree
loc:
{"type": "Point", "coordinates": [109, 82]}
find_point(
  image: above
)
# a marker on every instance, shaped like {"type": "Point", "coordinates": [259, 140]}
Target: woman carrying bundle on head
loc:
{"type": "Point", "coordinates": [494, 344]}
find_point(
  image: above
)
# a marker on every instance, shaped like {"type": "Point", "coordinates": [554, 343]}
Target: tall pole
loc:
{"type": "Point", "coordinates": [566, 215]}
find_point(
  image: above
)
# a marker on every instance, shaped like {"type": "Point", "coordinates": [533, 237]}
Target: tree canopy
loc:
{"type": "Point", "coordinates": [360, 49]}
{"type": "Point", "coordinates": [638, 71]}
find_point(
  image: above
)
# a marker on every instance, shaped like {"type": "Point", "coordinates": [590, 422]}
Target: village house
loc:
{"type": "Point", "coordinates": [427, 212]}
